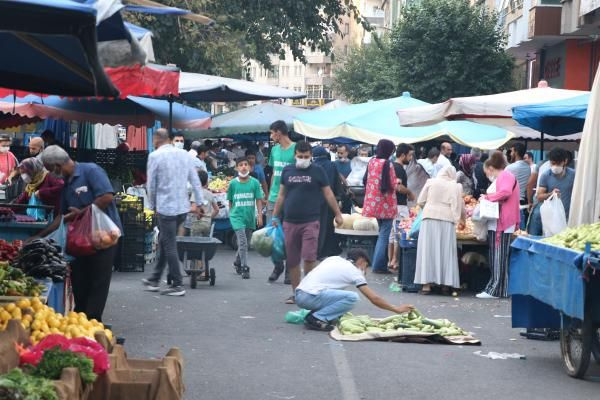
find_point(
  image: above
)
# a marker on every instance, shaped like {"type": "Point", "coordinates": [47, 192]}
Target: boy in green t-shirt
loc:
{"type": "Point", "coordinates": [245, 197]}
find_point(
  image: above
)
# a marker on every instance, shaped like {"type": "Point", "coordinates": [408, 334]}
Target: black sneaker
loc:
{"type": "Point", "coordinates": [245, 273]}
{"type": "Point", "coordinates": [314, 323]}
{"type": "Point", "coordinates": [275, 274]}
{"type": "Point", "coordinates": [173, 291]}
{"type": "Point", "coordinates": [237, 265]}
{"type": "Point", "coordinates": [286, 278]}
{"type": "Point", "coordinates": [151, 286]}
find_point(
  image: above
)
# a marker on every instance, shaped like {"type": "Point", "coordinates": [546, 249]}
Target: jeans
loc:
{"type": "Point", "coordinates": [90, 277]}
{"type": "Point", "coordinates": [534, 226]}
{"type": "Point", "coordinates": [279, 265]}
{"type": "Point", "coordinates": [243, 236]}
{"type": "Point", "coordinates": [168, 226]}
{"type": "Point", "coordinates": [328, 305]}
{"type": "Point", "coordinates": [381, 248]}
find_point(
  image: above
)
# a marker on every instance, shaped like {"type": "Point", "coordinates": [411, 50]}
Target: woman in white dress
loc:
{"type": "Point", "coordinates": [443, 208]}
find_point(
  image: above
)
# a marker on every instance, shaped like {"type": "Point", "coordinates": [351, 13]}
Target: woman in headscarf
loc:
{"type": "Point", "coordinates": [39, 183]}
{"type": "Point", "coordinates": [380, 199]}
{"type": "Point", "coordinates": [443, 207]}
{"type": "Point", "coordinates": [465, 175]}
{"type": "Point", "coordinates": [328, 244]}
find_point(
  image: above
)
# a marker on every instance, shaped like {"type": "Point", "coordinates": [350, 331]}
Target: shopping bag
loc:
{"type": "Point", "coordinates": [489, 209]}
{"type": "Point", "coordinates": [34, 212]}
{"type": "Point", "coordinates": [416, 226]}
{"type": "Point", "coordinates": [79, 235]}
{"type": "Point", "coordinates": [105, 233]}
{"type": "Point", "coordinates": [554, 219]}
{"type": "Point", "coordinates": [59, 236]}
{"type": "Point", "coordinates": [278, 253]}
{"type": "Point", "coordinates": [261, 242]}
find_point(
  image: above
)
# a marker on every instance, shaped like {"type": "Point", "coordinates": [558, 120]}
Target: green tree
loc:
{"type": "Point", "coordinates": [449, 48]}
{"type": "Point", "coordinates": [367, 73]}
{"type": "Point", "coordinates": [250, 29]}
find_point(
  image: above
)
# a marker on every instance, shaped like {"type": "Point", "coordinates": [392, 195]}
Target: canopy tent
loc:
{"type": "Point", "coordinates": [369, 122]}
{"type": "Point", "coordinates": [496, 106]}
{"type": "Point", "coordinates": [332, 105]}
{"type": "Point", "coordinates": [138, 111]}
{"type": "Point", "coordinates": [560, 117]}
{"type": "Point", "coordinates": [585, 200]}
{"type": "Point", "coordinates": [249, 120]}
{"type": "Point", "coordinates": [50, 46]}
{"type": "Point", "coordinates": [153, 7]}
{"type": "Point", "coordinates": [208, 88]}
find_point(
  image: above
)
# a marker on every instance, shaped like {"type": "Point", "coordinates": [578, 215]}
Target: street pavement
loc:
{"type": "Point", "coordinates": [237, 345]}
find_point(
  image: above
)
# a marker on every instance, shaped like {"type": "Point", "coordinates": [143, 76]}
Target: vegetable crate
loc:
{"type": "Point", "coordinates": [408, 265]}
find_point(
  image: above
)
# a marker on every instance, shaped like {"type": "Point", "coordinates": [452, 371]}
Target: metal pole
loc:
{"type": "Point", "coordinates": [542, 145]}
{"type": "Point", "coordinates": [171, 115]}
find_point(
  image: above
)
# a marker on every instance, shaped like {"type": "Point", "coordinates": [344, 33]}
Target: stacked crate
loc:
{"type": "Point", "coordinates": [136, 233]}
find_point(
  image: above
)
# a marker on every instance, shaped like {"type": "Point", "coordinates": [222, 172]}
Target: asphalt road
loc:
{"type": "Point", "coordinates": [237, 346]}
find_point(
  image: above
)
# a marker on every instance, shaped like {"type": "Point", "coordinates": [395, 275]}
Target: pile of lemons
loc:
{"type": "Point", "coordinates": [42, 321]}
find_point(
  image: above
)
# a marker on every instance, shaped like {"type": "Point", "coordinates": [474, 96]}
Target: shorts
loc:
{"type": "Point", "coordinates": [301, 242]}
{"type": "Point", "coordinates": [403, 212]}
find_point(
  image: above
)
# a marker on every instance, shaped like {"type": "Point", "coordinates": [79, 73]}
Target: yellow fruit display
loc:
{"type": "Point", "coordinates": [42, 321]}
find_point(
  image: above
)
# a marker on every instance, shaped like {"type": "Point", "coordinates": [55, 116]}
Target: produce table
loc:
{"type": "Point", "coordinates": [359, 239]}
{"type": "Point", "coordinates": [10, 231]}
{"type": "Point", "coordinates": [554, 286]}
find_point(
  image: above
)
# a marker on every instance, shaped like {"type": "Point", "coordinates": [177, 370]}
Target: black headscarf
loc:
{"type": "Point", "coordinates": [385, 149]}
{"type": "Point", "coordinates": [322, 158]}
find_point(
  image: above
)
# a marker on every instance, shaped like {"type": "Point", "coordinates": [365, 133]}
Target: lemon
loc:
{"type": "Point", "coordinates": [10, 307]}
{"type": "Point", "coordinates": [5, 315]}
{"type": "Point", "coordinates": [16, 313]}
{"type": "Point", "coordinates": [24, 303]}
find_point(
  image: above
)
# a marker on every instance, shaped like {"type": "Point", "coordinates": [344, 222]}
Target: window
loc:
{"type": "Point", "coordinates": [297, 89]}
{"type": "Point", "coordinates": [298, 70]}
{"type": "Point", "coordinates": [346, 29]}
{"type": "Point", "coordinates": [313, 92]}
{"type": "Point", "coordinates": [327, 92]}
{"type": "Point", "coordinates": [346, 50]}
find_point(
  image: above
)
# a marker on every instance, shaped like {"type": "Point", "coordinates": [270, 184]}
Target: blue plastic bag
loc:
{"type": "Point", "coordinates": [416, 226]}
{"type": "Point", "coordinates": [59, 236]}
{"type": "Point", "coordinates": [38, 213]}
{"type": "Point", "coordinates": [278, 252]}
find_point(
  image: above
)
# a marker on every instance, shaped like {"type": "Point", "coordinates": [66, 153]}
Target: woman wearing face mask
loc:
{"type": "Point", "coordinates": [8, 161]}
{"type": "Point", "coordinates": [39, 183]}
{"type": "Point", "coordinates": [505, 191]}
{"type": "Point", "coordinates": [380, 199]}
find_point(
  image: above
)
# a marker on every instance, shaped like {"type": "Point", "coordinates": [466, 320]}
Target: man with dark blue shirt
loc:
{"type": "Point", "coordinates": [85, 184]}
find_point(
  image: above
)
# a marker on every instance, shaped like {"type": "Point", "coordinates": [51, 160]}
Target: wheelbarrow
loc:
{"type": "Point", "coordinates": [193, 248]}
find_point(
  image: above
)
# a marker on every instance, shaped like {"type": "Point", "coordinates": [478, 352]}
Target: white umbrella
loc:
{"type": "Point", "coordinates": [585, 201]}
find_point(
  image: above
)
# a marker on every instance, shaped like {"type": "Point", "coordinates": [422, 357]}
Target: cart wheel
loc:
{"type": "Point", "coordinates": [193, 279]}
{"type": "Point", "coordinates": [596, 345]}
{"type": "Point", "coordinates": [233, 241]}
{"type": "Point", "coordinates": [213, 277]}
{"type": "Point", "coordinates": [576, 346]}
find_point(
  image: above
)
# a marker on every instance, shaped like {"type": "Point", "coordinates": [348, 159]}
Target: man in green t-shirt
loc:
{"type": "Point", "coordinates": [245, 197]}
{"type": "Point", "coordinates": [282, 155]}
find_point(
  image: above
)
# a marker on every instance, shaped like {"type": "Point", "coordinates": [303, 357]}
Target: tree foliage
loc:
{"type": "Point", "coordinates": [437, 50]}
{"type": "Point", "coordinates": [253, 29]}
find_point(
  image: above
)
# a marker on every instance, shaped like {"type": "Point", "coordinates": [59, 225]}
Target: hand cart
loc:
{"type": "Point", "coordinates": [558, 288]}
{"type": "Point", "coordinates": [194, 248]}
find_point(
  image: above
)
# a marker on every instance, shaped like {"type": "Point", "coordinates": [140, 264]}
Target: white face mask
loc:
{"type": "Point", "coordinates": [491, 178]}
{"type": "Point", "coordinates": [4, 149]}
{"type": "Point", "coordinates": [302, 163]}
{"type": "Point", "coordinates": [557, 169]}
{"type": "Point", "coordinates": [26, 178]}
{"type": "Point", "coordinates": [178, 145]}
{"type": "Point", "coordinates": [243, 174]}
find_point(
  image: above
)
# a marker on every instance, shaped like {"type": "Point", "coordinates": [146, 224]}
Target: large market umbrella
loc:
{"type": "Point", "coordinates": [49, 46]}
{"type": "Point", "coordinates": [585, 200]}
{"type": "Point", "coordinates": [138, 111]}
{"type": "Point", "coordinates": [250, 120]}
{"type": "Point", "coordinates": [371, 121]}
{"type": "Point", "coordinates": [559, 117]}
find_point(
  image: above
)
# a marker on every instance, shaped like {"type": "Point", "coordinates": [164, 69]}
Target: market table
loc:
{"type": "Point", "coordinates": [556, 287]}
{"type": "Point", "coordinates": [359, 239]}
{"type": "Point", "coordinates": [10, 231]}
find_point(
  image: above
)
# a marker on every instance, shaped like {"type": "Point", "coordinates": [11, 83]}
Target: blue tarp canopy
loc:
{"type": "Point", "coordinates": [557, 118]}
{"type": "Point", "coordinates": [137, 31]}
{"type": "Point", "coordinates": [50, 46]}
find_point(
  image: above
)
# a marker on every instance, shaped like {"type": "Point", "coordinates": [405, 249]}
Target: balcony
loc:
{"type": "Point", "coordinates": [318, 58]}
{"type": "Point", "coordinates": [324, 80]}
{"type": "Point", "coordinates": [544, 21]}
{"type": "Point", "coordinates": [375, 17]}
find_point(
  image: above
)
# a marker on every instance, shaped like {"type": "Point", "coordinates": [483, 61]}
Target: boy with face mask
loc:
{"type": "Point", "coordinates": [245, 196]}
{"type": "Point", "coordinates": [304, 187]}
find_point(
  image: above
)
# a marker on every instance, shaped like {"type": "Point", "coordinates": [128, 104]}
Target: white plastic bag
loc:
{"type": "Point", "coordinates": [105, 233]}
{"type": "Point", "coordinates": [553, 215]}
{"type": "Point", "coordinates": [489, 209]}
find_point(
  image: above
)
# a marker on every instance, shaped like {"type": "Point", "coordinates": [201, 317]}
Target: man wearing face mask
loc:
{"type": "Point", "coordinates": [304, 187]}
{"type": "Point", "coordinates": [178, 141]}
{"type": "Point", "coordinates": [281, 156]}
{"type": "Point", "coordinates": [343, 162]}
{"type": "Point", "coordinates": [36, 146]}
{"type": "Point", "coordinates": [8, 161]}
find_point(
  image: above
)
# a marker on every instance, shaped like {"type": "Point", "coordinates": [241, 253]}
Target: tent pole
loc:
{"type": "Point", "coordinates": [171, 115]}
{"type": "Point", "coordinates": [542, 145]}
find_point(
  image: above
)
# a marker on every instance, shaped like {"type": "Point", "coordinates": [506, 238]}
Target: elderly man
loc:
{"type": "Point", "coordinates": [444, 158]}
{"type": "Point", "coordinates": [169, 171]}
{"type": "Point", "coordinates": [36, 147]}
{"type": "Point", "coordinates": [85, 184]}
{"type": "Point", "coordinates": [193, 152]}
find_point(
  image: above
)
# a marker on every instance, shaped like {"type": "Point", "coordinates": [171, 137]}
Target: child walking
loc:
{"type": "Point", "coordinates": [245, 197]}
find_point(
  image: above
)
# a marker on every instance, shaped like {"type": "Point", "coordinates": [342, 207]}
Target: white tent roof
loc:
{"type": "Point", "coordinates": [333, 105]}
{"type": "Point", "coordinates": [209, 88]}
{"type": "Point", "coordinates": [489, 106]}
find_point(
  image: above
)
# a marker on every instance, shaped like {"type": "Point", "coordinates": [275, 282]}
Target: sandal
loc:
{"type": "Point", "coordinates": [425, 292]}
{"type": "Point", "coordinates": [291, 300]}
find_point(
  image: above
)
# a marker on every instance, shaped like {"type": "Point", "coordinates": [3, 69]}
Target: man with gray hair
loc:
{"type": "Point", "coordinates": [169, 171]}
{"type": "Point", "coordinates": [198, 163]}
{"type": "Point", "coordinates": [85, 184]}
{"type": "Point", "coordinates": [476, 152]}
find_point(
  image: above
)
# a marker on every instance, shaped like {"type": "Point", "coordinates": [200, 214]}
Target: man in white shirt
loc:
{"type": "Point", "coordinates": [445, 153]}
{"type": "Point", "coordinates": [322, 290]}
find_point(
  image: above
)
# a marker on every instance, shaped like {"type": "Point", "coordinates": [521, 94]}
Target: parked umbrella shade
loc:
{"type": "Point", "coordinates": [560, 117]}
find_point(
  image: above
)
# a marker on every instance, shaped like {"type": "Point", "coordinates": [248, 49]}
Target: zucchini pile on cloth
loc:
{"type": "Point", "coordinates": [401, 327]}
